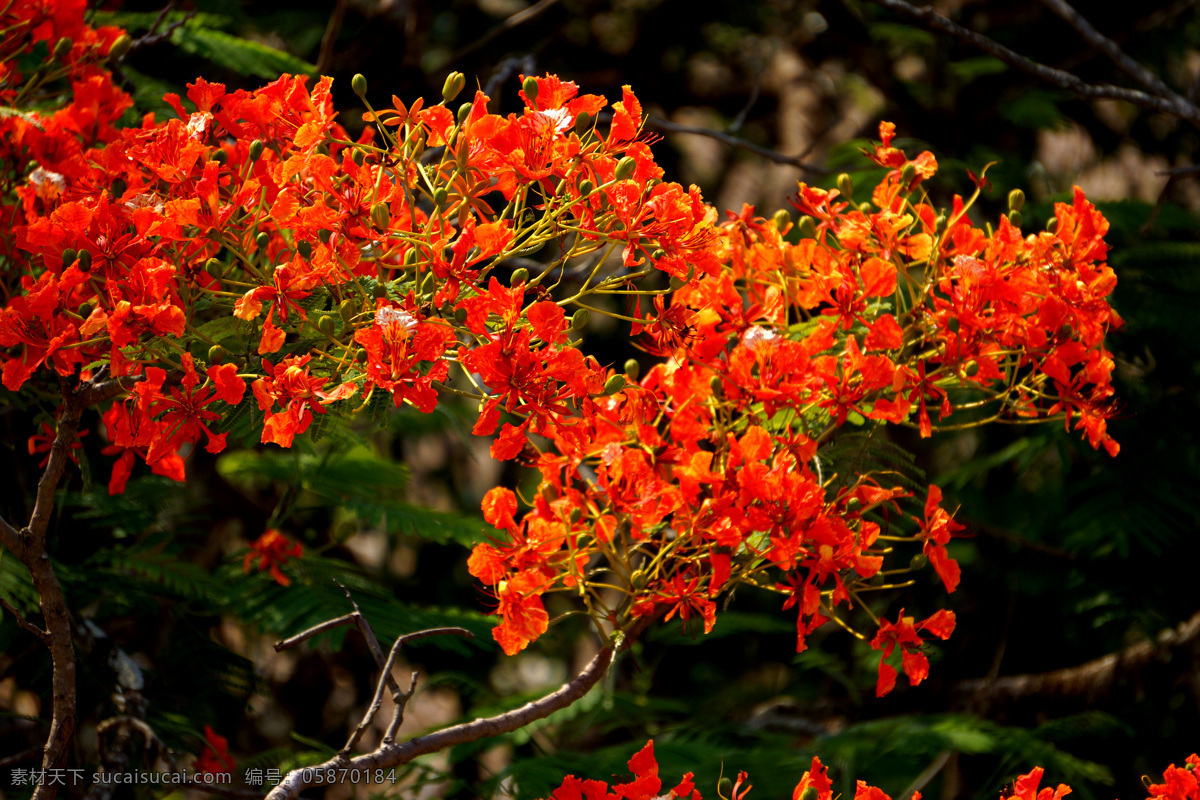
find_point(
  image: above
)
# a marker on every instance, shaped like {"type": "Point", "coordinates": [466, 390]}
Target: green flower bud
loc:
{"type": "Point", "coordinates": [455, 82]}
{"type": "Point", "coordinates": [583, 121]}
{"type": "Point", "coordinates": [625, 168]}
{"type": "Point", "coordinates": [324, 235]}
{"type": "Point", "coordinates": [463, 112]}
{"type": "Point", "coordinates": [381, 216]}
{"type": "Point", "coordinates": [585, 187]}
{"type": "Point", "coordinates": [325, 324]}
{"type": "Point", "coordinates": [85, 261]}
{"type": "Point", "coordinates": [256, 149]}
{"type": "Point", "coordinates": [440, 196]}
{"type": "Point", "coordinates": [62, 48]}
{"type": "Point", "coordinates": [918, 561]}
{"type": "Point", "coordinates": [519, 276]}
{"type": "Point", "coordinates": [361, 356]}
{"type": "Point", "coordinates": [359, 84]}
{"type": "Point", "coordinates": [460, 315]}
{"type": "Point", "coordinates": [219, 155]}
{"type": "Point", "coordinates": [214, 268]}
{"type": "Point", "coordinates": [717, 387]}
{"type": "Point", "coordinates": [724, 787]}
{"type": "Point", "coordinates": [908, 172]}
{"type": "Point", "coordinates": [809, 794]}
{"type": "Point", "coordinates": [68, 256]}
{"type": "Point", "coordinates": [1052, 224]}
{"type": "Point", "coordinates": [633, 369]}
{"type": "Point", "coordinates": [864, 207]}
{"type": "Point", "coordinates": [782, 220]}
{"type": "Point", "coordinates": [807, 227]}
{"type": "Point", "coordinates": [613, 385]}
{"type": "Point", "coordinates": [530, 87]}
{"type": "Point", "coordinates": [347, 309]}
{"type": "Point", "coordinates": [1015, 217]}
{"type": "Point", "coordinates": [845, 185]}
{"type": "Point", "coordinates": [358, 156]}
{"type": "Point", "coordinates": [304, 248]}
{"type": "Point", "coordinates": [120, 47]}
{"type": "Point", "coordinates": [263, 240]}
{"type": "Point", "coordinates": [579, 319]}
{"type": "Point", "coordinates": [1016, 200]}
{"type": "Point", "coordinates": [379, 290]}
{"type": "Point", "coordinates": [217, 355]}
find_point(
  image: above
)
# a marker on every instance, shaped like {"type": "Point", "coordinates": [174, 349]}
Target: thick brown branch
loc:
{"type": "Point", "coordinates": [1055, 77]}
{"type": "Point", "coordinates": [1089, 679]}
{"type": "Point", "coordinates": [393, 755]}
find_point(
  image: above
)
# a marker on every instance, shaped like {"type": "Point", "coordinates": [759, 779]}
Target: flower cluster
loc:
{"type": "Point", "coordinates": [251, 241]}
{"type": "Point", "coordinates": [815, 784]}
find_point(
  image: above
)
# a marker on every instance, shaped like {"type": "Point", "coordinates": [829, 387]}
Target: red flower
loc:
{"type": "Point", "coordinates": [214, 758]}
{"type": "Point", "coordinates": [273, 549]}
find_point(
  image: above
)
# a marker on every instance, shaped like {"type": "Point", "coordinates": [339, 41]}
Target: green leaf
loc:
{"type": "Point", "coordinates": [240, 55]}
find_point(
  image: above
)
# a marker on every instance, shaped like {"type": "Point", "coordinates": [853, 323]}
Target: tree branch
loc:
{"type": "Point", "coordinates": [393, 755]}
{"type": "Point", "coordinates": [1089, 679]}
{"type": "Point", "coordinates": [734, 141]}
{"type": "Point", "coordinates": [1056, 77]}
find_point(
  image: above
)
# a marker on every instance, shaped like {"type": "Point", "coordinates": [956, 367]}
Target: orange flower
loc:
{"type": "Point", "coordinates": [273, 549]}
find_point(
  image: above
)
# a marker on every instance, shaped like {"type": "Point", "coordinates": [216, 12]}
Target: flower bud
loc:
{"type": "Point", "coordinates": [907, 173]}
{"type": "Point", "coordinates": [579, 319]}
{"type": "Point", "coordinates": [864, 207]}
{"type": "Point", "coordinates": [455, 82]}
{"type": "Point", "coordinates": [347, 310]}
{"type": "Point", "coordinates": [717, 387]}
{"type": "Point", "coordinates": [361, 356]}
{"type": "Point", "coordinates": [782, 220]}
{"type": "Point", "coordinates": [381, 216]}
{"type": "Point", "coordinates": [256, 149]}
{"type": "Point", "coordinates": [918, 561]}
{"type": "Point", "coordinates": [530, 87]}
{"type": "Point", "coordinates": [214, 268]}
{"type": "Point", "coordinates": [463, 112]}
{"type": "Point", "coordinates": [379, 290]}
{"type": "Point", "coordinates": [1052, 224]}
{"type": "Point", "coordinates": [583, 121]}
{"type": "Point", "coordinates": [217, 355]}
{"type": "Point", "coordinates": [219, 155]}
{"type": "Point", "coordinates": [633, 369]}
{"type": "Point", "coordinates": [325, 324]}
{"type": "Point", "coordinates": [460, 315]}
{"type": "Point", "coordinates": [85, 261]}
{"type": "Point", "coordinates": [724, 787]}
{"type": "Point", "coordinates": [359, 84]}
{"type": "Point", "coordinates": [585, 187]}
{"type": "Point", "coordinates": [68, 256]}
{"type": "Point", "coordinates": [625, 168]}
{"type": "Point", "coordinates": [304, 248]}
{"type": "Point", "coordinates": [809, 793]}
{"type": "Point", "coordinates": [120, 47]}
{"type": "Point", "coordinates": [440, 196]}
{"type": "Point", "coordinates": [358, 156]}
{"type": "Point", "coordinates": [1016, 200]}
{"type": "Point", "coordinates": [845, 185]}
{"type": "Point", "coordinates": [324, 235]}
{"type": "Point", "coordinates": [263, 240]}
{"type": "Point", "coordinates": [807, 227]}
{"type": "Point", "coordinates": [1014, 217]}
{"type": "Point", "coordinates": [613, 385]}
{"type": "Point", "coordinates": [62, 48]}
{"type": "Point", "coordinates": [519, 276]}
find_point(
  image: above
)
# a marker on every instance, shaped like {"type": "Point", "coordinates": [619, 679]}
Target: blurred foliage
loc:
{"type": "Point", "coordinates": [1070, 555]}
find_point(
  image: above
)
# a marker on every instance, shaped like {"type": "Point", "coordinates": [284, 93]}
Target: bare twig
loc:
{"type": "Point", "coordinates": [519, 18]}
{"type": "Point", "coordinates": [305, 635]}
{"type": "Point", "coordinates": [928, 774]}
{"type": "Point", "coordinates": [1091, 678]}
{"type": "Point", "coordinates": [386, 680]}
{"type": "Point", "coordinates": [329, 38]}
{"type": "Point", "coordinates": [740, 119]}
{"type": "Point", "coordinates": [1056, 77]}
{"type": "Point", "coordinates": [24, 623]}
{"type": "Point", "coordinates": [17, 758]}
{"type": "Point", "coordinates": [1110, 48]}
{"type": "Point", "coordinates": [733, 141]}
